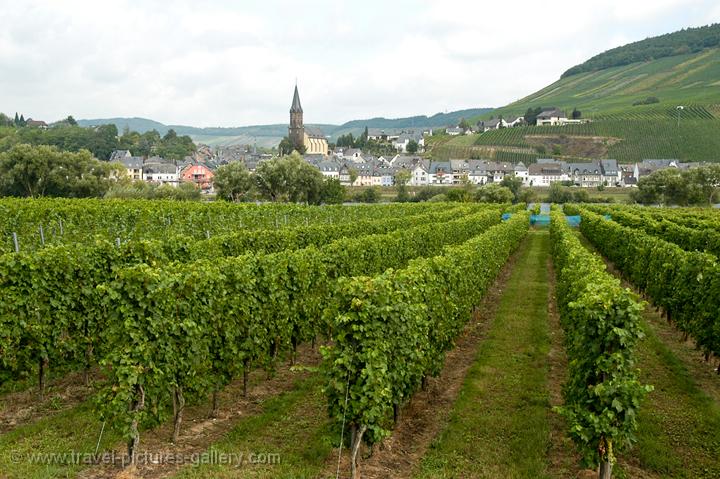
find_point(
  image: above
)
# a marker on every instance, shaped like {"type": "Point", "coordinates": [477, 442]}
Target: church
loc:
{"type": "Point", "coordinates": [311, 139]}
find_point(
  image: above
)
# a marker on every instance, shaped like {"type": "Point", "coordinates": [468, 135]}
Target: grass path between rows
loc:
{"type": "Point", "coordinates": [24, 451]}
{"type": "Point", "coordinates": [500, 423]}
{"type": "Point", "coordinates": [679, 422]}
{"type": "Point", "coordinates": [291, 438]}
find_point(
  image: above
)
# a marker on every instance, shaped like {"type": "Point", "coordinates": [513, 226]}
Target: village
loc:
{"type": "Point", "coordinates": [354, 168]}
{"type": "Point", "coordinates": [357, 168]}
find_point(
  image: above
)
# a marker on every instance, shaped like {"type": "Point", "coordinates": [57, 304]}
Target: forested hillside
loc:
{"type": "Point", "coordinates": [689, 40]}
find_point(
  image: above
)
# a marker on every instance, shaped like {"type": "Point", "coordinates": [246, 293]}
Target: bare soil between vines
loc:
{"type": "Point", "coordinates": [24, 407]}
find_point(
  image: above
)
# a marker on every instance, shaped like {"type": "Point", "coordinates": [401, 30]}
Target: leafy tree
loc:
{"type": "Point", "coordinates": [514, 184]}
{"type": "Point", "coordinates": [33, 171]}
{"type": "Point", "coordinates": [71, 121]}
{"type": "Point", "coordinates": [704, 183]}
{"type": "Point", "coordinates": [494, 193]}
{"type": "Point", "coordinates": [580, 195]}
{"type": "Point", "coordinates": [527, 195]}
{"type": "Point", "coordinates": [22, 121]}
{"type": "Point", "coordinates": [353, 174]}
{"type": "Point", "coordinates": [233, 182]}
{"type": "Point", "coordinates": [559, 194]}
{"type": "Point", "coordinates": [285, 147]}
{"type": "Point", "coordinates": [368, 195]}
{"type": "Point", "coordinates": [188, 191]}
{"type": "Point", "coordinates": [170, 135]}
{"type": "Point", "coordinates": [464, 124]}
{"type": "Point", "coordinates": [146, 143]}
{"type": "Point", "coordinates": [305, 182]}
{"type": "Point", "coordinates": [333, 192]}
{"type": "Point", "coordinates": [564, 194]}
{"type": "Point", "coordinates": [460, 195]}
{"type": "Point", "coordinates": [412, 147]}
{"type": "Point", "coordinates": [104, 141]}
{"type": "Point", "coordinates": [16, 121]}
{"type": "Point", "coordinates": [362, 141]}
{"type": "Point", "coordinates": [576, 114]}
{"type": "Point", "coordinates": [346, 141]}
{"type": "Point", "coordinates": [427, 193]}
{"type": "Point", "coordinates": [665, 186]}
{"type": "Point", "coordinates": [25, 170]}
{"type": "Point", "coordinates": [270, 180]}
{"type": "Point", "coordinates": [402, 177]}
{"type": "Point", "coordinates": [531, 115]}
{"type": "Point", "coordinates": [289, 178]}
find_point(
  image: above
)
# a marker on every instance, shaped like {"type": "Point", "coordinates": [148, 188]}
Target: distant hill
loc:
{"type": "Point", "coordinates": [270, 135]}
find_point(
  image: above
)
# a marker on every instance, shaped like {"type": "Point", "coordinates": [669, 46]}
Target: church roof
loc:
{"type": "Point", "coordinates": [314, 132]}
{"type": "Point", "coordinates": [296, 108]}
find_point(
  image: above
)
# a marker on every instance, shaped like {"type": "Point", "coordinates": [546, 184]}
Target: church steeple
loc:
{"type": "Point", "coordinates": [296, 108]}
{"type": "Point", "coordinates": [296, 131]}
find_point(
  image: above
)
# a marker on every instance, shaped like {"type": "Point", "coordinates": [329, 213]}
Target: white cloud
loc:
{"type": "Point", "coordinates": [219, 64]}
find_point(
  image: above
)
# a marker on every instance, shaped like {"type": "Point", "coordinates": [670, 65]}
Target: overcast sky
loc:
{"type": "Point", "coordinates": [230, 63]}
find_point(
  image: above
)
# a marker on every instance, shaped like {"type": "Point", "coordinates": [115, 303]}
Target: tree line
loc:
{"type": "Point", "coordinates": [672, 186]}
{"type": "Point", "coordinates": [101, 140]}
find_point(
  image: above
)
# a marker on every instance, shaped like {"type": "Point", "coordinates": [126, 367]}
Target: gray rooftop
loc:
{"type": "Point", "coordinates": [132, 162]}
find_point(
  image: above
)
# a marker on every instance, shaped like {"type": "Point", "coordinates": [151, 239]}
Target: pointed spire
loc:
{"type": "Point", "coordinates": [296, 108]}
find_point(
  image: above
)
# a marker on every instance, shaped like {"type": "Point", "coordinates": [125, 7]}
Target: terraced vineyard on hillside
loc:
{"type": "Point", "coordinates": [692, 79]}
{"type": "Point", "coordinates": [651, 135]}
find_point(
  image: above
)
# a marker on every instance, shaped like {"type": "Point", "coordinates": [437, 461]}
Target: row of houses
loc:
{"type": "Point", "coordinates": [599, 172]}
{"type": "Point", "coordinates": [400, 138]}
{"type": "Point", "coordinates": [456, 172]}
{"type": "Point", "coordinates": [157, 170]}
{"type": "Point", "coordinates": [547, 117]}
{"type": "Point", "coordinates": [353, 167]}
{"type": "Point", "coordinates": [363, 170]}
{"type": "Point", "coordinates": [380, 171]}
{"type": "Point", "coordinates": [586, 174]}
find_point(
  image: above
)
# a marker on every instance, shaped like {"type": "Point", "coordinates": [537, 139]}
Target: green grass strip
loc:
{"type": "Point", "coordinates": [499, 424]}
{"type": "Point", "coordinates": [679, 426]}
{"type": "Point", "coordinates": [293, 427]}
